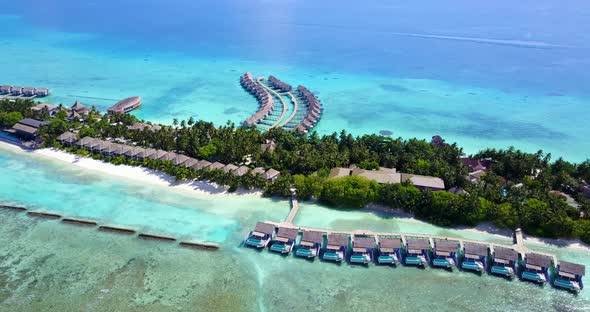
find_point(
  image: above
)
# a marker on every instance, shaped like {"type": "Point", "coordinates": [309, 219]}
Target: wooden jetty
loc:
{"type": "Point", "coordinates": [198, 245]}
{"type": "Point", "coordinates": [13, 208]}
{"type": "Point", "coordinates": [79, 222]}
{"type": "Point", "coordinates": [120, 230]}
{"type": "Point", "coordinates": [156, 237]}
{"type": "Point", "coordinates": [44, 215]}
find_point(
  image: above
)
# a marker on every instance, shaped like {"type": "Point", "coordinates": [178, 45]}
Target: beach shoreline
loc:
{"type": "Point", "coordinates": [195, 188]}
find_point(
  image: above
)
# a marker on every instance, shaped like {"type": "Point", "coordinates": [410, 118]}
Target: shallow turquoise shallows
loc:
{"type": "Point", "coordinates": [72, 267]}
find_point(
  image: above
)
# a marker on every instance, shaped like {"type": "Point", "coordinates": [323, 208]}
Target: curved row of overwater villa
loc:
{"type": "Point", "coordinates": [419, 250]}
{"type": "Point", "coordinates": [280, 105]}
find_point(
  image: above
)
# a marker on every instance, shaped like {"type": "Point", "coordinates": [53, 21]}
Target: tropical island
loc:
{"type": "Point", "coordinates": [509, 187]}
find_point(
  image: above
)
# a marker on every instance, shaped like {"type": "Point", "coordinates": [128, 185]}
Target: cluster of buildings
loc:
{"type": "Point", "coordinates": [314, 110]}
{"type": "Point", "coordinates": [23, 91]}
{"type": "Point", "coordinates": [391, 176]}
{"type": "Point", "coordinates": [421, 251]}
{"type": "Point", "coordinates": [77, 110]}
{"type": "Point", "coordinates": [264, 98]}
{"type": "Point", "coordinates": [107, 148]}
{"type": "Point", "coordinates": [279, 85]}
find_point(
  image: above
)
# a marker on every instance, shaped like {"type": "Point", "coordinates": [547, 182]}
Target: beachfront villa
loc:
{"type": "Point", "coordinates": [67, 139]}
{"type": "Point", "coordinates": [28, 128]}
{"type": "Point", "coordinates": [363, 249]}
{"type": "Point", "coordinates": [310, 245]}
{"type": "Point", "coordinates": [336, 248]}
{"type": "Point", "coordinates": [475, 257]}
{"type": "Point", "coordinates": [568, 276]}
{"type": "Point", "coordinates": [504, 262]}
{"type": "Point", "coordinates": [389, 249]}
{"type": "Point", "coordinates": [536, 268]}
{"type": "Point", "coordinates": [261, 236]}
{"type": "Point", "coordinates": [390, 176]}
{"type": "Point", "coordinates": [445, 254]}
{"type": "Point", "coordinates": [417, 251]}
{"type": "Point", "coordinates": [284, 240]}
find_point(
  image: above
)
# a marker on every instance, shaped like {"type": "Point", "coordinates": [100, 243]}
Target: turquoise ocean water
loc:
{"type": "Point", "coordinates": [484, 75]}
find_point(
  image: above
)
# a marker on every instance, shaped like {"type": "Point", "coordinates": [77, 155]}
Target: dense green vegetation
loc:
{"type": "Point", "coordinates": [514, 193]}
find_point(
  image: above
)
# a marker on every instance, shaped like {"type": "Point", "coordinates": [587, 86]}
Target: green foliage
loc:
{"type": "Point", "coordinates": [369, 165]}
{"type": "Point", "coordinates": [10, 119]}
{"type": "Point", "coordinates": [350, 191]}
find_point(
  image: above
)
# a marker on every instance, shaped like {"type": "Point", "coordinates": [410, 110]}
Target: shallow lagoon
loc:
{"type": "Point", "coordinates": [45, 264]}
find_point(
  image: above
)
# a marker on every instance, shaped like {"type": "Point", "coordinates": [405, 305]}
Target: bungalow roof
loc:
{"type": "Point", "coordinates": [242, 170]}
{"type": "Point", "coordinates": [289, 233]}
{"type": "Point", "coordinates": [201, 164]}
{"type": "Point", "coordinates": [270, 174]}
{"type": "Point", "coordinates": [446, 245]}
{"type": "Point", "coordinates": [229, 168]}
{"type": "Point", "coordinates": [265, 228]}
{"type": "Point", "coordinates": [538, 260]}
{"type": "Point", "coordinates": [313, 237]}
{"type": "Point", "coordinates": [418, 243]}
{"type": "Point", "coordinates": [476, 249]}
{"type": "Point", "coordinates": [388, 242]}
{"type": "Point", "coordinates": [505, 253]}
{"type": "Point", "coordinates": [339, 172]}
{"type": "Point", "coordinates": [424, 181]}
{"type": "Point", "coordinates": [216, 165]}
{"type": "Point", "coordinates": [363, 242]}
{"type": "Point", "coordinates": [573, 268]}
{"type": "Point", "coordinates": [338, 240]}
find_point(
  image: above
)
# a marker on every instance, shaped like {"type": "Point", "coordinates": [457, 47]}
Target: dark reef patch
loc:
{"type": "Point", "coordinates": [386, 132]}
{"type": "Point", "coordinates": [231, 111]}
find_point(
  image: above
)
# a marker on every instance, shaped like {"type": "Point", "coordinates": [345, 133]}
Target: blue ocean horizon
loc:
{"type": "Point", "coordinates": [483, 75]}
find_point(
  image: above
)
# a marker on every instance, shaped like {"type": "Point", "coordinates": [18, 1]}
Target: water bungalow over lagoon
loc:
{"type": "Point", "coordinates": [389, 250]}
{"type": "Point", "coordinates": [363, 249]}
{"type": "Point", "coordinates": [417, 251]}
{"type": "Point", "coordinates": [310, 244]}
{"type": "Point", "coordinates": [5, 89]}
{"type": "Point", "coordinates": [504, 262]}
{"type": "Point", "coordinates": [536, 268]}
{"type": "Point", "coordinates": [261, 236]}
{"type": "Point", "coordinates": [475, 257]}
{"type": "Point", "coordinates": [569, 276]}
{"type": "Point", "coordinates": [28, 91]}
{"type": "Point", "coordinates": [277, 84]}
{"type": "Point", "coordinates": [336, 248]}
{"type": "Point", "coordinates": [16, 91]}
{"type": "Point", "coordinates": [284, 240]}
{"type": "Point", "coordinates": [445, 254]}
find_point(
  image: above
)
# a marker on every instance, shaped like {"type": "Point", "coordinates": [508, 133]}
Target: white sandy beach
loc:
{"type": "Point", "coordinates": [201, 188]}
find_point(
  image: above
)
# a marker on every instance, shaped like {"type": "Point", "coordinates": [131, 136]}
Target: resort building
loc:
{"type": "Point", "coordinates": [391, 176]}
{"type": "Point", "coordinates": [190, 162]}
{"type": "Point", "coordinates": [277, 84]}
{"type": "Point", "coordinates": [424, 182]}
{"type": "Point", "coordinates": [271, 175]}
{"type": "Point", "coordinates": [310, 245]}
{"type": "Point", "coordinates": [29, 91]}
{"type": "Point", "coordinates": [44, 106]}
{"type": "Point", "coordinates": [569, 276]}
{"type": "Point", "coordinates": [28, 127]}
{"type": "Point", "coordinates": [201, 164]}
{"type": "Point", "coordinates": [229, 168]}
{"type": "Point", "coordinates": [41, 92]}
{"type": "Point", "coordinates": [363, 249]}
{"type": "Point", "coordinates": [85, 142]}
{"type": "Point", "coordinates": [16, 91]}
{"type": "Point", "coordinates": [133, 152]}
{"type": "Point", "coordinates": [67, 138]}
{"type": "Point", "coordinates": [180, 159]}
{"type": "Point", "coordinates": [475, 257]}
{"type": "Point", "coordinates": [126, 105]}
{"type": "Point", "coordinates": [504, 262]}
{"type": "Point", "coordinates": [242, 170]}
{"type": "Point", "coordinates": [445, 254]}
{"type": "Point", "coordinates": [336, 248]}
{"type": "Point", "coordinates": [80, 109]}
{"type": "Point", "coordinates": [284, 240]}
{"type": "Point", "coordinates": [258, 171]}
{"type": "Point", "coordinates": [216, 166]}
{"type": "Point", "coordinates": [389, 250]}
{"type": "Point", "coordinates": [417, 251]}
{"type": "Point", "coordinates": [124, 149]}
{"type": "Point", "coordinates": [140, 126]}
{"type": "Point", "coordinates": [536, 268]}
{"type": "Point", "coordinates": [261, 236]}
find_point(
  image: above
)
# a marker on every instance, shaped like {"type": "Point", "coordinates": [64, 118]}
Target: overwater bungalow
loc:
{"type": "Point", "coordinates": [67, 138]}
{"type": "Point", "coordinates": [276, 83]}
{"type": "Point", "coordinates": [445, 254]}
{"type": "Point", "coordinates": [40, 92]}
{"type": "Point", "coordinates": [311, 242]}
{"type": "Point", "coordinates": [261, 236]}
{"type": "Point", "coordinates": [6, 89]}
{"type": "Point", "coordinates": [216, 165]}
{"type": "Point", "coordinates": [284, 241]}
{"type": "Point", "coordinates": [417, 251]}
{"type": "Point", "coordinates": [389, 250]}
{"type": "Point", "coordinates": [569, 276]}
{"type": "Point", "coordinates": [363, 249]}
{"type": "Point", "coordinates": [201, 164]}
{"type": "Point", "coordinates": [536, 268]}
{"type": "Point", "coordinates": [504, 262]}
{"type": "Point", "coordinates": [16, 91]}
{"type": "Point", "coordinates": [336, 248]}
{"type": "Point", "coordinates": [229, 168]}
{"type": "Point", "coordinates": [28, 91]}
{"type": "Point", "coordinates": [475, 257]}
